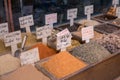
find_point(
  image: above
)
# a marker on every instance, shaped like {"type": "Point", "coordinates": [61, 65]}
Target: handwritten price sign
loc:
{"type": "Point", "coordinates": [72, 13]}
{"type": "Point", "coordinates": [89, 9]}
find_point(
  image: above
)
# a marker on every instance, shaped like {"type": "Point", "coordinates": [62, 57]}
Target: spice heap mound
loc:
{"type": "Point", "coordinates": [89, 22]}
{"type": "Point", "coordinates": [111, 42]}
{"type": "Point", "coordinates": [44, 51]}
{"type": "Point", "coordinates": [90, 52]}
{"type": "Point", "coordinates": [27, 72]}
{"type": "Point", "coordinates": [116, 22]}
{"type": "Point", "coordinates": [63, 64]}
{"type": "Point", "coordinates": [8, 63]}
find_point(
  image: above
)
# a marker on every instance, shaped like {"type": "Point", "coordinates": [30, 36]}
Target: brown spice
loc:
{"type": "Point", "coordinates": [44, 51]}
{"type": "Point", "coordinates": [63, 64]}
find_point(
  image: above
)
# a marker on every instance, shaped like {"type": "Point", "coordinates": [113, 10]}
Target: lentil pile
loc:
{"type": "Point", "coordinates": [90, 52]}
{"type": "Point", "coordinates": [44, 51]}
{"type": "Point", "coordinates": [111, 42]}
{"type": "Point", "coordinates": [63, 64]}
{"type": "Point", "coordinates": [106, 28]}
{"type": "Point", "coordinates": [27, 72]}
{"type": "Point", "coordinates": [8, 63]}
{"type": "Point", "coordinates": [89, 22]}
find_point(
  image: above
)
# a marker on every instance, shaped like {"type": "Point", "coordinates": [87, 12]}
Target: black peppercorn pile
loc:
{"type": "Point", "coordinates": [111, 42]}
{"type": "Point", "coordinates": [90, 52]}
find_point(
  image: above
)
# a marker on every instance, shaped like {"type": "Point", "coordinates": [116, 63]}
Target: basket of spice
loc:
{"type": "Point", "coordinates": [60, 65]}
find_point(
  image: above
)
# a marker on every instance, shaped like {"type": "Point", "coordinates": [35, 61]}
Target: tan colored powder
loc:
{"type": "Point", "coordinates": [8, 63]}
{"type": "Point", "coordinates": [27, 72]}
{"type": "Point", "coordinates": [63, 64]}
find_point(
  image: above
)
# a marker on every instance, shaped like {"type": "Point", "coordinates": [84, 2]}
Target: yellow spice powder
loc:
{"type": "Point", "coordinates": [63, 64]}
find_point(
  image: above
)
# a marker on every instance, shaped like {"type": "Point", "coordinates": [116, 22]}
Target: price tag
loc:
{"type": "Point", "coordinates": [88, 11]}
{"type": "Point", "coordinates": [87, 33]}
{"type": "Point", "coordinates": [26, 22]}
{"type": "Point", "coordinates": [118, 12]}
{"type": "Point", "coordinates": [43, 32]}
{"type": "Point", "coordinates": [3, 29]}
{"type": "Point", "coordinates": [12, 39]}
{"type": "Point", "coordinates": [63, 39]}
{"type": "Point", "coordinates": [51, 18]}
{"type": "Point", "coordinates": [71, 14]}
{"type": "Point", "coordinates": [115, 3]}
{"type": "Point", "coordinates": [29, 57]}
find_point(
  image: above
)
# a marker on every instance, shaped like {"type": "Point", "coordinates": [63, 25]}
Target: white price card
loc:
{"type": "Point", "coordinates": [118, 12]}
{"type": "Point", "coordinates": [115, 2]}
{"type": "Point", "coordinates": [12, 38]}
{"type": "Point", "coordinates": [51, 18]}
{"type": "Point", "coordinates": [89, 9]}
{"type": "Point", "coordinates": [3, 30]}
{"type": "Point", "coordinates": [87, 33]}
{"type": "Point", "coordinates": [63, 39]}
{"type": "Point", "coordinates": [72, 13]}
{"type": "Point", "coordinates": [26, 22]}
{"type": "Point", "coordinates": [30, 56]}
{"type": "Point", "coordinates": [43, 32]}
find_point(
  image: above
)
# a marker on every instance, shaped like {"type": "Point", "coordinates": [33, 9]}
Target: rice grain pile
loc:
{"type": "Point", "coordinates": [63, 64]}
{"type": "Point", "coordinates": [8, 63]}
{"type": "Point", "coordinates": [90, 52]}
{"type": "Point", "coordinates": [27, 72]}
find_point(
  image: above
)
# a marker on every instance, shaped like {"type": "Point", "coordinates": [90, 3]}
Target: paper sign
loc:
{"type": "Point", "coordinates": [63, 39]}
{"type": "Point", "coordinates": [26, 22]}
{"type": "Point", "coordinates": [3, 29]}
{"type": "Point", "coordinates": [87, 33]}
{"type": "Point", "coordinates": [118, 12]}
{"type": "Point", "coordinates": [115, 2]}
{"type": "Point", "coordinates": [12, 38]}
{"type": "Point", "coordinates": [29, 57]}
{"type": "Point", "coordinates": [72, 13]}
{"type": "Point", "coordinates": [51, 18]}
{"type": "Point", "coordinates": [89, 9]}
{"type": "Point", "coordinates": [43, 32]}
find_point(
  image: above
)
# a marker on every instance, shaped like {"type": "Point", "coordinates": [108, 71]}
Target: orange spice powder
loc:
{"type": "Point", "coordinates": [44, 51]}
{"type": "Point", "coordinates": [63, 64]}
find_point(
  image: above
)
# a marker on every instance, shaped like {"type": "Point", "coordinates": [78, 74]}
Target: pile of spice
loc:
{"type": "Point", "coordinates": [8, 63]}
{"type": "Point", "coordinates": [63, 64]}
{"type": "Point", "coordinates": [111, 42]}
{"type": "Point", "coordinates": [90, 52]}
{"type": "Point", "coordinates": [44, 51]}
{"type": "Point", "coordinates": [116, 22]}
{"type": "Point", "coordinates": [89, 22]}
{"type": "Point", "coordinates": [31, 39]}
{"type": "Point", "coordinates": [70, 28]}
{"type": "Point", "coordinates": [3, 48]}
{"type": "Point", "coordinates": [27, 72]}
{"type": "Point", "coordinates": [106, 28]}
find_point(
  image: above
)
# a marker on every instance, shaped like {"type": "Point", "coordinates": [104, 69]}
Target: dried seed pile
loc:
{"type": "Point", "coordinates": [89, 22]}
{"type": "Point", "coordinates": [90, 52]}
{"type": "Point", "coordinates": [106, 28]}
{"type": "Point", "coordinates": [105, 17]}
{"type": "Point", "coordinates": [8, 63]}
{"type": "Point", "coordinates": [27, 72]}
{"type": "Point", "coordinates": [116, 22]}
{"type": "Point", "coordinates": [111, 42]}
{"type": "Point", "coordinates": [63, 64]}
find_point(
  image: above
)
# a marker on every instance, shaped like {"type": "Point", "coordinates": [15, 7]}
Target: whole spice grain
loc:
{"type": "Point", "coordinates": [89, 22]}
{"type": "Point", "coordinates": [90, 52]}
{"type": "Point", "coordinates": [27, 72]}
{"type": "Point", "coordinates": [8, 63]}
{"type": "Point", "coordinates": [63, 64]}
{"type": "Point", "coordinates": [44, 51]}
{"type": "Point", "coordinates": [111, 42]}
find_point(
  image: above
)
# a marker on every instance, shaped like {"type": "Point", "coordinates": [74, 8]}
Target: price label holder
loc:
{"type": "Point", "coordinates": [3, 29]}
{"type": "Point", "coordinates": [71, 15]}
{"type": "Point", "coordinates": [87, 33]}
{"type": "Point", "coordinates": [115, 3]}
{"type": "Point", "coordinates": [88, 11]}
{"type": "Point", "coordinates": [12, 39]}
{"type": "Point", "coordinates": [63, 40]}
{"type": "Point", "coordinates": [118, 12]}
{"type": "Point", "coordinates": [44, 32]}
{"type": "Point", "coordinates": [50, 19]}
{"type": "Point", "coordinates": [30, 56]}
{"type": "Point", "coordinates": [26, 22]}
